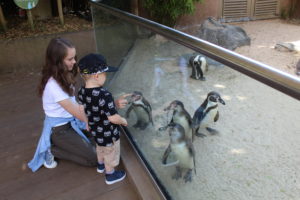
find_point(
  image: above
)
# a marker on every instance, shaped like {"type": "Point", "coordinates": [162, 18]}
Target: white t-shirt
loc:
{"type": "Point", "coordinates": [52, 94]}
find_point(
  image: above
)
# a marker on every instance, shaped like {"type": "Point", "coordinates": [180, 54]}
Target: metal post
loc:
{"type": "Point", "coordinates": [60, 12]}
{"type": "Point", "coordinates": [30, 20]}
{"type": "Point", "coordinates": [135, 7]}
{"type": "Point", "coordinates": [2, 19]}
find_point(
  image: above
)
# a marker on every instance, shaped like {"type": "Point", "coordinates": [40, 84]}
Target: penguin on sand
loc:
{"type": "Point", "coordinates": [207, 113]}
{"type": "Point", "coordinates": [142, 109]}
{"type": "Point", "coordinates": [180, 116]}
{"type": "Point", "coordinates": [199, 66]}
{"type": "Point", "coordinates": [183, 150]}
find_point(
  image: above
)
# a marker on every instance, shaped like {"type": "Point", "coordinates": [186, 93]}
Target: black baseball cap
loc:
{"type": "Point", "coordinates": [93, 64]}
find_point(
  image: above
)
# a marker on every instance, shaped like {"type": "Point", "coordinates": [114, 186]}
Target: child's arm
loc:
{"type": "Point", "coordinates": [121, 102]}
{"type": "Point", "coordinates": [117, 119]}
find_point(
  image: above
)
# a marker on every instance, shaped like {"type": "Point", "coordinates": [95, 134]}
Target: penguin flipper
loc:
{"type": "Point", "coordinates": [128, 111]}
{"type": "Point", "coordinates": [216, 117]}
{"type": "Point", "coordinates": [166, 154]}
{"type": "Point", "coordinates": [192, 152]}
{"type": "Point", "coordinates": [198, 117]}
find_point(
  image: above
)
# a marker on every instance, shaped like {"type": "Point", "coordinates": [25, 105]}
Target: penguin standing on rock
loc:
{"type": "Point", "coordinates": [199, 65]}
{"type": "Point", "coordinates": [184, 152]}
{"type": "Point", "coordinates": [180, 116]}
{"type": "Point", "coordinates": [207, 113]}
{"type": "Point", "coordinates": [142, 109]}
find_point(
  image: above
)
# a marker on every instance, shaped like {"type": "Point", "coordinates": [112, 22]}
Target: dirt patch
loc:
{"type": "Point", "coordinates": [20, 28]}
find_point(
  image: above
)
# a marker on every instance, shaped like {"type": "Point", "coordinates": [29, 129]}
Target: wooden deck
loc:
{"type": "Point", "coordinates": [21, 121]}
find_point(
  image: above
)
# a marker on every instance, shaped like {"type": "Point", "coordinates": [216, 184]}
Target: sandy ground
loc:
{"type": "Point", "coordinates": [256, 154]}
{"type": "Point", "coordinates": [265, 34]}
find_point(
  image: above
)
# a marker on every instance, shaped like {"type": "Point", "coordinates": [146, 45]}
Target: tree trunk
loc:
{"type": "Point", "coordinates": [2, 19]}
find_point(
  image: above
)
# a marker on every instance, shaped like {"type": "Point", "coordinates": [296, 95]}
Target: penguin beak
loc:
{"type": "Point", "coordinates": [221, 101]}
{"type": "Point", "coordinates": [167, 108]}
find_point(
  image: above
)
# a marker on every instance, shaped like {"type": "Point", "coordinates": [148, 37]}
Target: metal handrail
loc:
{"type": "Point", "coordinates": [272, 77]}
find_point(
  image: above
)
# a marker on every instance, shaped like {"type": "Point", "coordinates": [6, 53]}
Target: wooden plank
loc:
{"type": "Point", "coordinates": [123, 192]}
{"type": "Point", "coordinates": [138, 175]}
{"type": "Point", "coordinates": [19, 132]}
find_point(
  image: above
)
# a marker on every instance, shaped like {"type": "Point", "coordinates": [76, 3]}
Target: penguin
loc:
{"type": "Point", "coordinates": [183, 150]}
{"type": "Point", "coordinates": [199, 65]}
{"type": "Point", "coordinates": [207, 113]}
{"type": "Point", "coordinates": [180, 116]}
{"type": "Point", "coordinates": [142, 109]}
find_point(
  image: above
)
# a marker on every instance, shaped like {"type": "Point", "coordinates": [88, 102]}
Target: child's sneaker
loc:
{"type": "Point", "coordinates": [114, 177]}
{"type": "Point", "coordinates": [100, 168]}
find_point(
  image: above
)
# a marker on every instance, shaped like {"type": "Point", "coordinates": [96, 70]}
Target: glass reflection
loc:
{"type": "Point", "coordinates": [208, 134]}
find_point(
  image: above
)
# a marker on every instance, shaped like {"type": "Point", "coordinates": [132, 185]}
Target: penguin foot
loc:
{"type": "Point", "coordinates": [202, 78]}
{"type": "Point", "coordinates": [200, 134]}
{"type": "Point", "coordinates": [188, 176]}
{"type": "Point", "coordinates": [193, 77]}
{"type": "Point", "coordinates": [136, 126]}
{"type": "Point", "coordinates": [143, 126]}
{"type": "Point", "coordinates": [178, 174]}
{"type": "Point", "coordinates": [212, 131]}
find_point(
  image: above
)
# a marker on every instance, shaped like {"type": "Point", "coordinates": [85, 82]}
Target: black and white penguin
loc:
{"type": "Point", "coordinates": [183, 150]}
{"type": "Point", "coordinates": [180, 116]}
{"type": "Point", "coordinates": [141, 108]}
{"type": "Point", "coordinates": [207, 113]}
{"type": "Point", "coordinates": [199, 66]}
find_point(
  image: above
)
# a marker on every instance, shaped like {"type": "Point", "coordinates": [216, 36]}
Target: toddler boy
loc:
{"type": "Point", "coordinates": [103, 118]}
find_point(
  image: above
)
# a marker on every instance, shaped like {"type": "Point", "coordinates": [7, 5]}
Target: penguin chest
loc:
{"type": "Point", "coordinates": [183, 156]}
{"type": "Point", "coordinates": [141, 114]}
{"type": "Point", "coordinates": [209, 117]}
{"type": "Point", "coordinates": [178, 119]}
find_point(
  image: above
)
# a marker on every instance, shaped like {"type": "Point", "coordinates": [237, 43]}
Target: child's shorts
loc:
{"type": "Point", "coordinates": [110, 155]}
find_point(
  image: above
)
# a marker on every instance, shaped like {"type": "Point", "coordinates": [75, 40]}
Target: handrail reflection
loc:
{"type": "Point", "coordinates": [275, 78]}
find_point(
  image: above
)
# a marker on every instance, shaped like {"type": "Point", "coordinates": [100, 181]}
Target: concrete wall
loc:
{"type": "Point", "coordinates": [29, 53]}
{"type": "Point", "coordinates": [209, 8]}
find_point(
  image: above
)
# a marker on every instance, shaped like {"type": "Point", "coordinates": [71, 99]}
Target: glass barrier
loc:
{"type": "Point", "coordinates": [213, 133]}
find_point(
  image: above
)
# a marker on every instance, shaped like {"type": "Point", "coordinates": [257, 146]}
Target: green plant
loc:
{"type": "Point", "coordinates": [283, 14]}
{"type": "Point", "coordinates": [168, 11]}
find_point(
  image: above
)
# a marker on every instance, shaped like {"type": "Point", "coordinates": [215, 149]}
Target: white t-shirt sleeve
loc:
{"type": "Point", "coordinates": [56, 91]}
{"type": "Point", "coordinates": [53, 94]}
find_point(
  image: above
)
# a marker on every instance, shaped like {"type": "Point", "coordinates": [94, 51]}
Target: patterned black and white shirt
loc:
{"type": "Point", "coordinates": [98, 106]}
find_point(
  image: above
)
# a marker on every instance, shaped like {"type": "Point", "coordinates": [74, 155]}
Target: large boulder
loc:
{"type": "Point", "coordinates": [227, 36]}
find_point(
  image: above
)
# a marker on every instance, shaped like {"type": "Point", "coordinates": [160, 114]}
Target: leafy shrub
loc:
{"type": "Point", "coordinates": [168, 11]}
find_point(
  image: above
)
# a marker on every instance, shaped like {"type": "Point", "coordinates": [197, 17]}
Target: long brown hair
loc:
{"type": "Point", "coordinates": [54, 66]}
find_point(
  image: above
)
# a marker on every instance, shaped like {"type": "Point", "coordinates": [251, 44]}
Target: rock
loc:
{"type": "Point", "coordinates": [298, 68]}
{"type": "Point", "coordinates": [288, 46]}
{"type": "Point", "coordinates": [227, 36]}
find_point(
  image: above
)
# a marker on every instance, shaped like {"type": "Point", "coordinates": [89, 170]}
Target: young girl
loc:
{"type": "Point", "coordinates": [61, 136]}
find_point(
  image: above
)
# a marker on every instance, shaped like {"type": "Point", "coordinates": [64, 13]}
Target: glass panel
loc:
{"type": "Point", "coordinates": [248, 135]}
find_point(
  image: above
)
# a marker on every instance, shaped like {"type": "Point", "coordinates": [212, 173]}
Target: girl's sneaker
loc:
{"type": "Point", "coordinates": [50, 165]}
{"type": "Point", "coordinates": [114, 177]}
{"type": "Point", "coordinates": [100, 168]}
